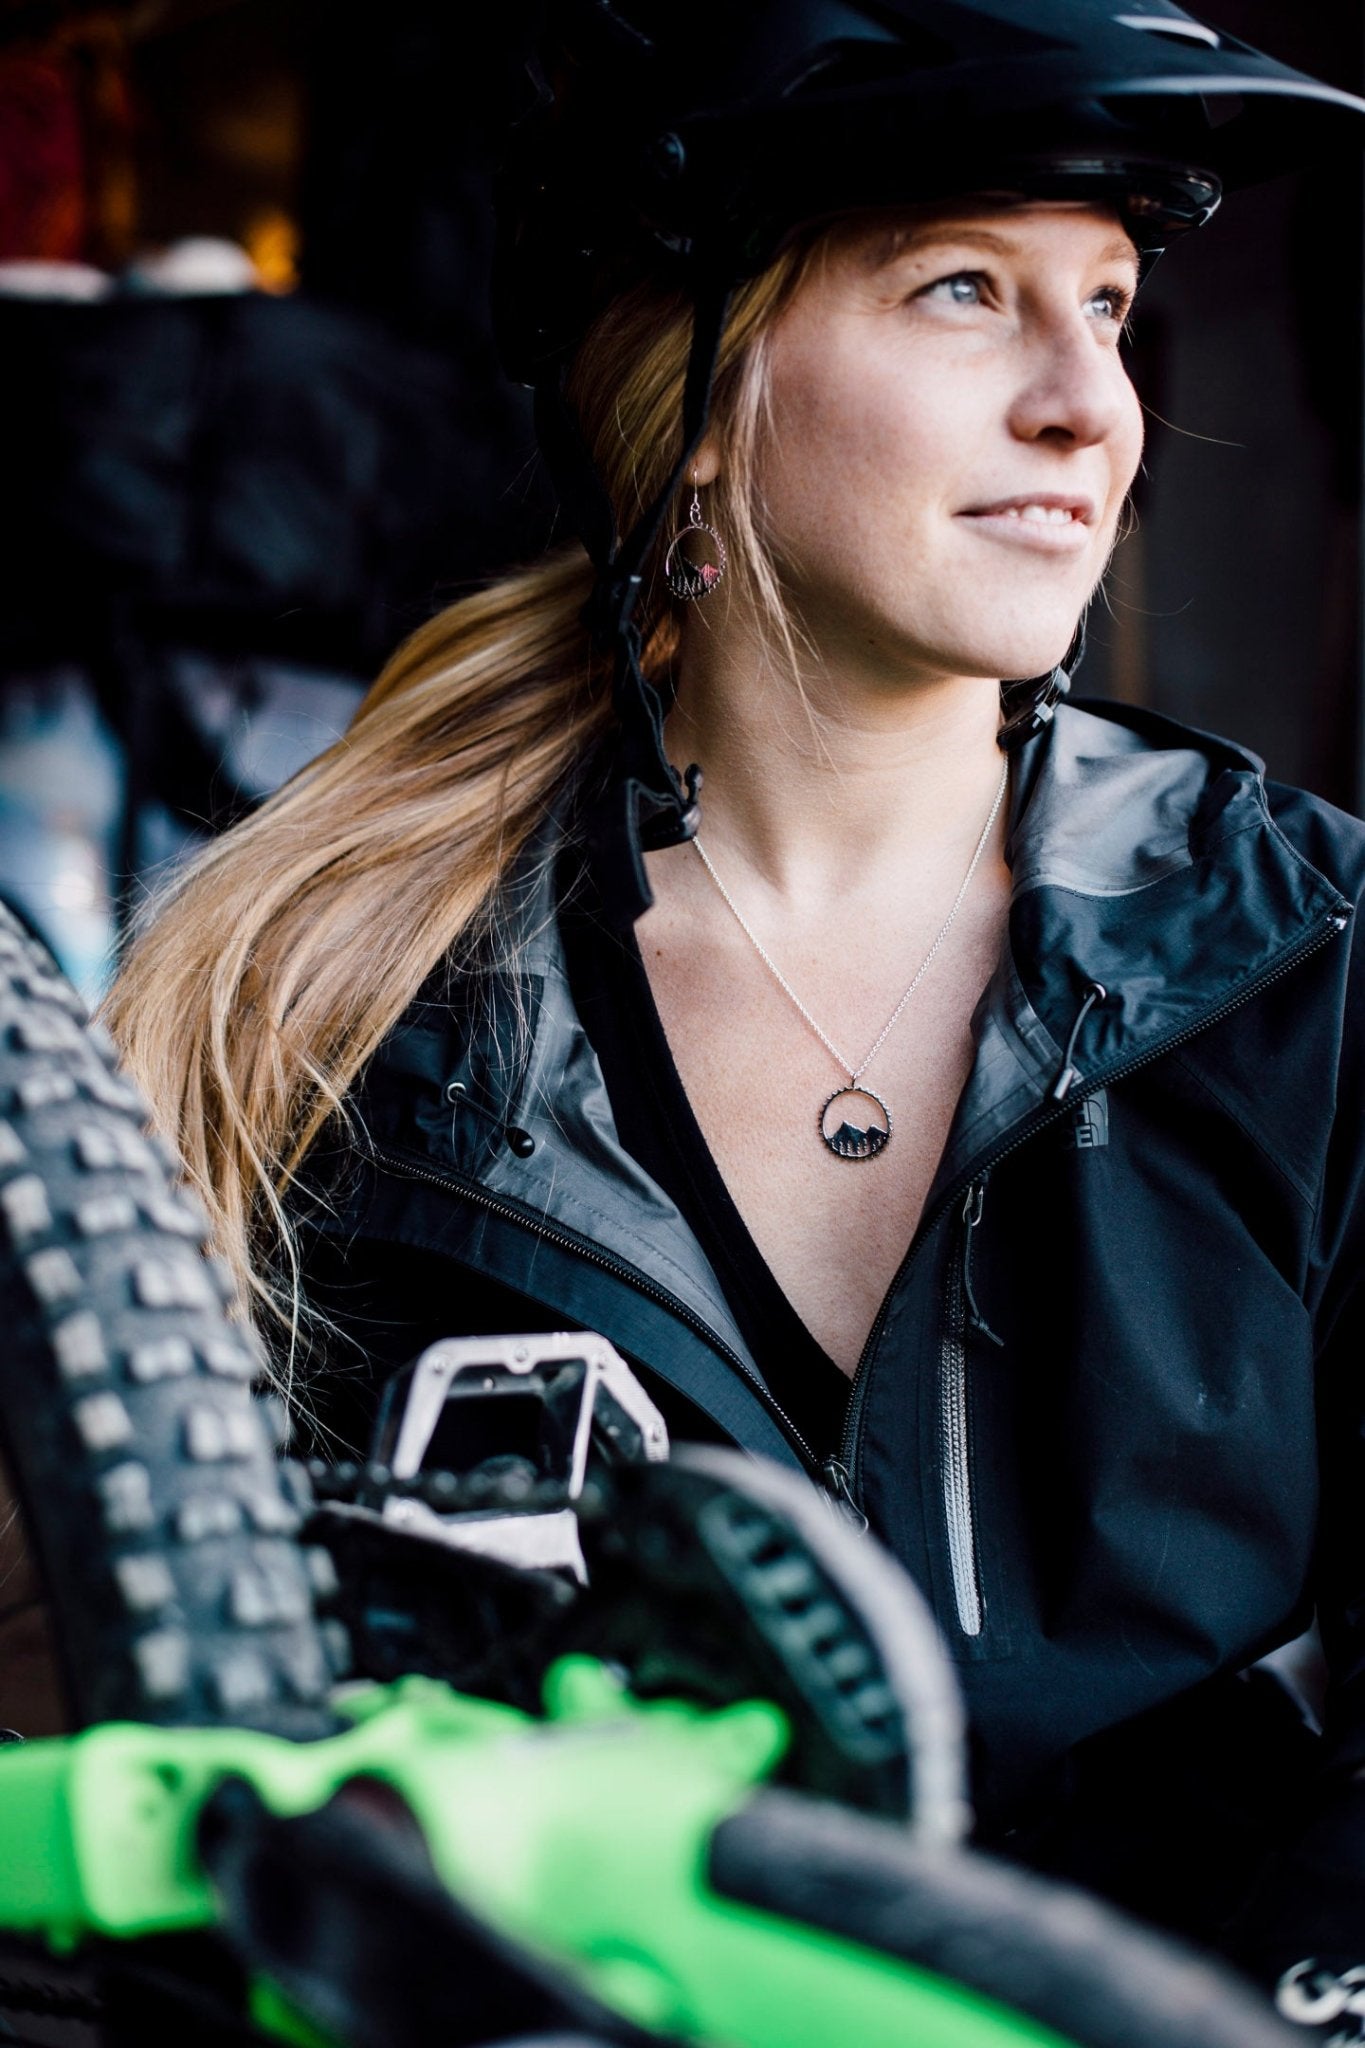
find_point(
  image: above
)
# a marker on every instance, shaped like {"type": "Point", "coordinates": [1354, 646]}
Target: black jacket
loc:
{"type": "Point", "coordinates": [1109, 1416]}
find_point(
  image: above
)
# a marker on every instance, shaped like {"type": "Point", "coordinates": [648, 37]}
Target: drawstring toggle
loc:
{"type": "Point", "coordinates": [1068, 1077]}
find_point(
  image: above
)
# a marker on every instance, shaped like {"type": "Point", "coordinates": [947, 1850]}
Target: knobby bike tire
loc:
{"type": "Point", "coordinates": [144, 1467]}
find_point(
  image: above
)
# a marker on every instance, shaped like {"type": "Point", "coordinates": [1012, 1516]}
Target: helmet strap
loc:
{"type": "Point", "coordinates": [1025, 722]}
{"type": "Point", "coordinates": [646, 802]}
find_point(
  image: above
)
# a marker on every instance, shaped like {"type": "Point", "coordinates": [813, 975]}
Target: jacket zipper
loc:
{"type": "Point", "coordinates": [827, 1472]}
{"type": "Point", "coordinates": [959, 1512]}
{"type": "Point", "coordinates": [1336, 923]}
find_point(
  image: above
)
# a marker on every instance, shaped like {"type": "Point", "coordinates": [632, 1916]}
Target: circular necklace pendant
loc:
{"type": "Point", "coordinates": [855, 1123]}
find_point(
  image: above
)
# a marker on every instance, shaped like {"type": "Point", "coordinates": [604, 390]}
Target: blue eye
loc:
{"type": "Point", "coordinates": [963, 288]}
{"type": "Point", "coordinates": [1114, 300]}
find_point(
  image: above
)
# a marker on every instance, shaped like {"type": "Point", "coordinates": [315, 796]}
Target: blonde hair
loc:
{"type": "Point", "coordinates": [275, 965]}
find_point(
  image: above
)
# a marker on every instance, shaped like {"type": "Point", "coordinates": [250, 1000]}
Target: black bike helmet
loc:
{"type": "Point", "coordinates": [675, 139]}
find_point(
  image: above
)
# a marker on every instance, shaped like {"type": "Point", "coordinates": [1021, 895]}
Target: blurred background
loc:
{"type": "Point", "coordinates": [253, 430]}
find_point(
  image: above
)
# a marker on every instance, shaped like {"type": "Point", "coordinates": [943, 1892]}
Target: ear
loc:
{"type": "Point", "coordinates": [704, 467]}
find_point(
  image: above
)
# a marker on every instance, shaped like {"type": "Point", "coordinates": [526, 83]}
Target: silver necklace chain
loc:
{"type": "Point", "coordinates": [855, 1073]}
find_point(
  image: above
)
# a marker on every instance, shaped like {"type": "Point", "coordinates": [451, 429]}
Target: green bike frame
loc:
{"type": "Point", "coordinates": [583, 1836]}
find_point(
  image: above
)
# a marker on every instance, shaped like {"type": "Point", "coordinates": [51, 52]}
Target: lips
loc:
{"type": "Point", "coordinates": [1041, 523]}
{"type": "Point", "coordinates": [1040, 508]}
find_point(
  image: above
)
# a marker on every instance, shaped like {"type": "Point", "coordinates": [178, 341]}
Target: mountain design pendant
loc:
{"type": "Point", "coordinates": [855, 1123]}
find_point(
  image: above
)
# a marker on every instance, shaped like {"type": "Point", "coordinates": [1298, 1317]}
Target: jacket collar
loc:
{"type": "Point", "coordinates": [1145, 862]}
{"type": "Point", "coordinates": [1144, 859]}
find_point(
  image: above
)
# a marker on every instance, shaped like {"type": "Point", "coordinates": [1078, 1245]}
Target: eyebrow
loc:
{"type": "Point", "coordinates": [910, 241]}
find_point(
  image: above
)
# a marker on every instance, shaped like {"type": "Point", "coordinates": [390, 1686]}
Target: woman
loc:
{"type": "Point", "coordinates": [919, 1133]}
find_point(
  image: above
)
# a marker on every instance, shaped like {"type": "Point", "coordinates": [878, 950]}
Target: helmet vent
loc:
{"type": "Point", "coordinates": [1172, 31]}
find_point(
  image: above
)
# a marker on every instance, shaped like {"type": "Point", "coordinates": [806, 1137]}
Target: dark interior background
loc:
{"type": "Point", "coordinates": [231, 491]}
{"type": "Point", "coordinates": [1237, 603]}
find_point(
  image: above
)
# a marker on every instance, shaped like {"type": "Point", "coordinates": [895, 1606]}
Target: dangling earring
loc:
{"type": "Point", "coordinates": [692, 579]}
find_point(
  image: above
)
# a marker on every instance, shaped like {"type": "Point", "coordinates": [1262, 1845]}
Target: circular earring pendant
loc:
{"type": "Point", "coordinates": [855, 1123]}
{"type": "Point", "coordinates": [695, 561]}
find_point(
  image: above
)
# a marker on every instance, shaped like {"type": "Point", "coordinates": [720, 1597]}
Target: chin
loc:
{"type": "Point", "coordinates": [1018, 643]}
{"type": "Point", "coordinates": [1015, 663]}
{"type": "Point", "coordinates": [1020, 652]}
{"type": "Point", "coordinates": [1024, 670]}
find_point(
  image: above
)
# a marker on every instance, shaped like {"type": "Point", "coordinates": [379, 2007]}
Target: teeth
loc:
{"type": "Point", "coordinates": [1051, 515]}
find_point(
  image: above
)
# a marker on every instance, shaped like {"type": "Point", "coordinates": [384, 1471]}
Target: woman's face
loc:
{"type": "Point", "coordinates": [954, 437]}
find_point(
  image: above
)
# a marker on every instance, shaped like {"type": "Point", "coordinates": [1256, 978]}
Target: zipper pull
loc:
{"type": "Point", "coordinates": [839, 1487]}
{"type": "Point", "coordinates": [971, 1219]}
{"type": "Point", "coordinates": [1062, 1086]}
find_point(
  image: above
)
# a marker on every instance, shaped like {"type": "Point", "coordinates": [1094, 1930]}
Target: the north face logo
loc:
{"type": "Point", "coordinates": [1088, 1125]}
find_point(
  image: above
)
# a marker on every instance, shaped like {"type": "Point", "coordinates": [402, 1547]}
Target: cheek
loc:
{"type": "Point", "coordinates": [819, 415]}
{"type": "Point", "coordinates": [854, 446]}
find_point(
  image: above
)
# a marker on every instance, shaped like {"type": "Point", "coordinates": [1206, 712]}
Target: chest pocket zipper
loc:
{"type": "Point", "coordinates": [963, 1318]}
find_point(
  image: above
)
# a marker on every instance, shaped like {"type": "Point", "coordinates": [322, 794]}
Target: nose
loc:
{"type": "Point", "coordinates": [1074, 391]}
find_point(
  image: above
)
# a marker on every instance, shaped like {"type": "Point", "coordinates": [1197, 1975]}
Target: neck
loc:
{"type": "Point", "coordinates": [823, 783]}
